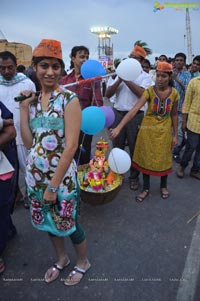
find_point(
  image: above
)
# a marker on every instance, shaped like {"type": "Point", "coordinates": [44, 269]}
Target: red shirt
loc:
{"type": "Point", "coordinates": [89, 94]}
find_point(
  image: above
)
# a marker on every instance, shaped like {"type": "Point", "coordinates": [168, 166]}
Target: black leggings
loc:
{"type": "Point", "coordinates": [146, 182]}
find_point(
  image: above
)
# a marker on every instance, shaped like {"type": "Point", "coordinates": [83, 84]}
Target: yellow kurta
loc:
{"type": "Point", "coordinates": [153, 150]}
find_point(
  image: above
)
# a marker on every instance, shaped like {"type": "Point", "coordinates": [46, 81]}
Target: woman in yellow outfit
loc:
{"type": "Point", "coordinates": [153, 150]}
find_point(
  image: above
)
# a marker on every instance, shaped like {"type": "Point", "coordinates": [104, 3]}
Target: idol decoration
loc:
{"type": "Point", "coordinates": [97, 175]}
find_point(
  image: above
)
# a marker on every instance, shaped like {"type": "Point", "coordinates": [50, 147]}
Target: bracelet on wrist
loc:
{"type": "Point", "coordinates": [52, 189]}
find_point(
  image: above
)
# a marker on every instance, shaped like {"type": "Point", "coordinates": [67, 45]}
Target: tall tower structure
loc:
{"type": "Point", "coordinates": [187, 7]}
{"type": "Point", "coordinates": [188, 35]}
{"type": "Point", "coordinates": [105, 47]}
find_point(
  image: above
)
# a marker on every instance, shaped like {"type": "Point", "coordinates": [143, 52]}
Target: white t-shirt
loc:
{"type": "Point", "coordinates": [7, 95]}
{"type": "Point", "coordinates": [110, 82]}
{"type": "Point", "coordinates": [125, 99]}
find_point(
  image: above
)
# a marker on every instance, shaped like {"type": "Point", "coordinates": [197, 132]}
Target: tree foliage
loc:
{"type": "Point", "coordinates": [145, 46]}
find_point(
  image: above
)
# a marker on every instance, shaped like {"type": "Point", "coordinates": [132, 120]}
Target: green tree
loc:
{"type": "Point", "coordinates": [117, 61]}
{"type": "Point", "coordinates": [144, 45]}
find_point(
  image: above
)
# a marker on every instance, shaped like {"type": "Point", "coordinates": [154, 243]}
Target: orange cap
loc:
{"type": "Point", "coordinates": [164, 67]}
{"type": "Point", "coordinates": [48, 48]}
{"type": "Point", "coordinates": [138, 50]}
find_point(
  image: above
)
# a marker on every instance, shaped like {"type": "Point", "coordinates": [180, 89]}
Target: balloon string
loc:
{"type": "Point", "coordinates": [80, 151]}
{"type": "Point", "coordinates": [110, 148]}
{"type": "Point", "coordinates": [94, 99]}
{"type": "Point", "coordinates": [81, 82]}
{"type": "Point", "coordinates": [115, 162]}
{"type": "Point", "coordinates": [93, 94]}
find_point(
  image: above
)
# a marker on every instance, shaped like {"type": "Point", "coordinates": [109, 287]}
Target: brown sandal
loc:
{"type": "Point", "coordinates": [164, 195]}
{"type": "Point", "coordinates": [140, 198]}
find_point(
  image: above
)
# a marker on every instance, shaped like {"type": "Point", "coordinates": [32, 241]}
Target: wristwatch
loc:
{"type": "Point", "coordinates": [52, 189]}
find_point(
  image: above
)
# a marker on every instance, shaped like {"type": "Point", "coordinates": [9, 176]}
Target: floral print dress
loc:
{"type": "Point", "coordinates": [48, 144]}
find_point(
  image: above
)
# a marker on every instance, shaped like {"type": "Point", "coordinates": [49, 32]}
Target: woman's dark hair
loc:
{"type": "Point", "coordinates": [74, 51]}
{"type": "Point", "coordinates": [36, 60]}
{"type": "Point", "coordinates": [163, 55]}
{"type": "Point", "coordinates": [4, 55]}
{"type": "Point", "coordinates": [171, 82]}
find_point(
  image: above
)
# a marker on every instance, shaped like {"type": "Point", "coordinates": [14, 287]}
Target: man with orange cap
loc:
{"type": "Point", "coordinates": [127, 95]}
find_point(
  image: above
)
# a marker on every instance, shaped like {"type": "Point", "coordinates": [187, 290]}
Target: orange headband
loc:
{"type": "Point", "coordinates": [48, 48]}
{"type": "Point", "coordinates": [138, 50]}
{"type": "Point", "coordinates": [164, 67]}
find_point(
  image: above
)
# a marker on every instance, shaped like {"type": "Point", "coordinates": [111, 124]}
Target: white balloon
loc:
{"type": "Point", "coordinates": [129, 69]}
{"type": "Point", "coordinates": [119, 160]}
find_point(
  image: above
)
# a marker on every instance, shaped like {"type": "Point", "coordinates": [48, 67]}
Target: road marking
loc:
{"type": "Point", "coordinates": [187, 287]}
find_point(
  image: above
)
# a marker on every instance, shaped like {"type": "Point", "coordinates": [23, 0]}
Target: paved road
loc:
{"type": "Point", "coordinates": [139, 252]}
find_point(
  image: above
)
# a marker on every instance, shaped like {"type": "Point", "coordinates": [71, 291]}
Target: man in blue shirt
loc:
{"type": "Point", "coordinates": [181, 79]}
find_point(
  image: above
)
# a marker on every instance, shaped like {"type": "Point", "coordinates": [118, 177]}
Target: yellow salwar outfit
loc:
{"type": "Point", "coordinates": [153, 150]}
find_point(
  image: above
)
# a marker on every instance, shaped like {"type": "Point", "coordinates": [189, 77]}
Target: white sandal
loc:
{"type": "Point", "coordinates": [55, 268]}
{"type": "Point", "coordinates": [76, 270]}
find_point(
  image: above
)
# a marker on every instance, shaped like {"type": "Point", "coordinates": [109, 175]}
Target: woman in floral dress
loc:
{"type": "Point", "coordinates": [153, 151]}
{"type": "Point", "coordinates": [50, 126]}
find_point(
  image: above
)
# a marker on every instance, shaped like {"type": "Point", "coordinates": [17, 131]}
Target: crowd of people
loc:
{"type": "Point", "coordinates": [157, 115]}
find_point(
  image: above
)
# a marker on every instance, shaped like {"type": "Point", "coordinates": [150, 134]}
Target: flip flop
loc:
{"type": "Point", "coordinates": [76, 270]}
{"type": "Point", "coordinates": [54, 271]}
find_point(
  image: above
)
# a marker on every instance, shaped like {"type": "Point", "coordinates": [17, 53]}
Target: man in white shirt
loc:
{"type": "Point", "coordinates": [11, 85]}
{"type": "Point", "coordinates": [127, 93]}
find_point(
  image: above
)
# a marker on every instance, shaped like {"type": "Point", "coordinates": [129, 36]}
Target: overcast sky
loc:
{"type": "Point", "coordinates": [70, 22]}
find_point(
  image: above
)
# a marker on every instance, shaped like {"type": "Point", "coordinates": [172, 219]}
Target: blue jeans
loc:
{"type": "Point", "coordinates": [181, 139]}
{"type": "Point", "coordinates": [192, 144]}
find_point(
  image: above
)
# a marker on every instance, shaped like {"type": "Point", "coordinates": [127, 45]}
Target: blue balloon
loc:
{"type": "Point", "coordinates": [92, 68]}
{"type": "Point", "coordinates": [93, 120]}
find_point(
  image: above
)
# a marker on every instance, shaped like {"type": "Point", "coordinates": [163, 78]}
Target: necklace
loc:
{"type": "Point", "coordinates": [162, 103]}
